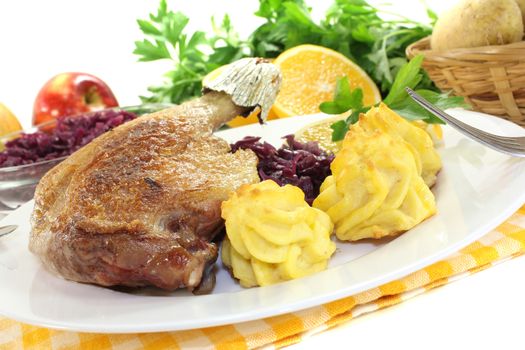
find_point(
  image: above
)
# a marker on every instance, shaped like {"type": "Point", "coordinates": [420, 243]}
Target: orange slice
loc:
{"type": "Point", "coordinates": [8, 121]}
{"type": "Point", "coordinates": [321, 133]}
{"type": "Point", "coordinates": [251, 119]}
{"type": "Point", "coordinates": [309, 76]}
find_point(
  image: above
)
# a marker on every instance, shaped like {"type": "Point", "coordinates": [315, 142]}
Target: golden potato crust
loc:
{"type": "Point", "coordinates": [427, 159]}
{"type": "Point", "coordinates": [376, 188]}
{"type": "Point", "coordinates": [273, 235]}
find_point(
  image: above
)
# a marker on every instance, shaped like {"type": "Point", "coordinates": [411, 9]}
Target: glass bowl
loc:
{"type": "Point", "coordinates": [18, 183]}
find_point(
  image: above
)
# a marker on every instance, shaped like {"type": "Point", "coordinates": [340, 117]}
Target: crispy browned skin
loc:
{"type": "Point", "coordinates": [139, 205]}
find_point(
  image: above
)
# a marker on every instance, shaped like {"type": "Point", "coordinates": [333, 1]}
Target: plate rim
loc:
{"type": "Point", "coordinates": [298, 305]}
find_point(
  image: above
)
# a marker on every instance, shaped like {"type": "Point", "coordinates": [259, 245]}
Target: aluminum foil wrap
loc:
{"type": "Point", "coordinates": [251, 82]}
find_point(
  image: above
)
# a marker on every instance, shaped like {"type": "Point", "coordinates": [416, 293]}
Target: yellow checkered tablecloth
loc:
{"type": "Point", "coordinates": [505, 242]}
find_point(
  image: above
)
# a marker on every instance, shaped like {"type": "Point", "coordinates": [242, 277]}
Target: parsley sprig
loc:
{"type": "Point", "coordinates": [193, 55]}
{"type": "Point", "coordinates": [352, 27]}
{"type": "Point", "coordinates": [409, 75]}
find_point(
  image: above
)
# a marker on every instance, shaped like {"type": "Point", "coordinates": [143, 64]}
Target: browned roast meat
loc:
{"type": "Point", "coordinates": [140, 204]}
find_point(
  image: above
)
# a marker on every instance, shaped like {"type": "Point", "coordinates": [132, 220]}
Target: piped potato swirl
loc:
{"type": "Point", "coordinates": [273, 235]}
{"type": "Point", "coordinates": [380, 179]}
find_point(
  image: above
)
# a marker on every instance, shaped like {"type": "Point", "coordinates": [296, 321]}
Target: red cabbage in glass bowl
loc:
{"type": "Point", "coordinates": [25, 156]}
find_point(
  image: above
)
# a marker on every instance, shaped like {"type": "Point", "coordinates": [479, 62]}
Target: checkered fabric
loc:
{"type": "Point", "coordinates": [504, 243]}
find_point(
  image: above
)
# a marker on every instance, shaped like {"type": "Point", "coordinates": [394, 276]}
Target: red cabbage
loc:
{"type": "Point", "coordinates": [300, 164]}
{"type": "Point", "coordinates": [69, 134]}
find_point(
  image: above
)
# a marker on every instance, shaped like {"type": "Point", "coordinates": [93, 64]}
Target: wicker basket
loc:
{"type": "Point", "coordinates": [491, 78]}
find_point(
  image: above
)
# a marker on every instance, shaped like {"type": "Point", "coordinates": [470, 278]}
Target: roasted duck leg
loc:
{"type": "Point", "coordinates": [140, 204]}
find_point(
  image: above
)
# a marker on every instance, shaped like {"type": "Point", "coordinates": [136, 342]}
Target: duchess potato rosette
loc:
{"type": "Point", "coordinates": [376, 188]}
{"type": "Point", "coordinates": [420, 142]}
{"type": "Point", "coordinates": [273, 235]}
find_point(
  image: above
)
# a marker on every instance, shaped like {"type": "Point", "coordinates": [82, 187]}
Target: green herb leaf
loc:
{"type": "Point", "coordinates": [341, 127]}
{"type": "Point", "coordinates": [148, 28]}
{"type": "Point", "coordinates": [354, 116]}
{"type": "Point", "coordinates": [161, 12]}
{"type": "Point", "coordinates": [351, 27]}
{"type": "Point", "coordinates": [172, 26]}
{"type": "Point", "coordinates": [408, 76]}
{"type": "Point", "coordinates": [298, 13]}
{"type": "Point", "coordinates": [410, 110]}
{"type": "Point", "coordinates": [331, 107]}
{"type": "Point", "coordinates": [344, 98]}
{"type": "Point", "coordinates": [151, 52]}
{"type": "Point", "coordinates": [188, 51]}
{"type": "Point", "coordinates": [339, 130]}
{"type": "Point", "coordinates": [432, 15]}
{"type": "Point", "coordinates": [382, 70]}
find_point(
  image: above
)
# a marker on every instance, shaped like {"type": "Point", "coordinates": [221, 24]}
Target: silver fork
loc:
{"type": "Point", "coordinates": [5, 230]}
{"type": "Point", "coordinates": [515, 146]}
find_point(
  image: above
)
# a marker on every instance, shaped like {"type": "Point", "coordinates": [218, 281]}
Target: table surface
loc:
{"type": "Point", "coordinates": [43, 38]}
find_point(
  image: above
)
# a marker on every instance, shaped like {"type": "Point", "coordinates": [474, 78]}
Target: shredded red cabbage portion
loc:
{"type": "Point", "coordinates": [300, 164]}
{"type": "Point", "coordinates": [69, 134]}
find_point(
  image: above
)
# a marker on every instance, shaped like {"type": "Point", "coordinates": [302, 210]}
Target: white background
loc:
{"type": "Point", "coordinates": [42, 38]}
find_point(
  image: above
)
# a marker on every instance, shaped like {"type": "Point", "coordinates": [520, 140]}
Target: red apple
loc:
{"type": "Point", "coordinates": [69, 94]}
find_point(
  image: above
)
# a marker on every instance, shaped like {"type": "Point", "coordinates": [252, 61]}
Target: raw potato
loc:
{"type": "Point", "coordinates": [474, 23]}
{"type": "Point", "coordinates": [521, 4]}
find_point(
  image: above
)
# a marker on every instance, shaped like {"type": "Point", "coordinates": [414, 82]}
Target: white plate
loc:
{"type": "Point", "coordinates": [476, 190]}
